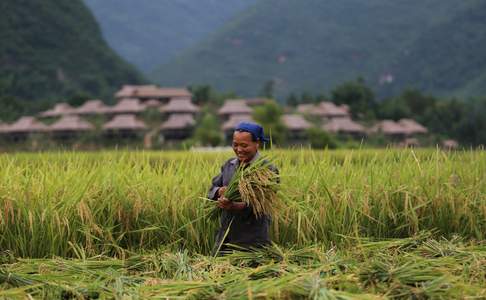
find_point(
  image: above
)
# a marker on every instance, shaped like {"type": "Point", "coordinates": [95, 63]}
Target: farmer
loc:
{"type": "Point", "coordinates": [246, 230]}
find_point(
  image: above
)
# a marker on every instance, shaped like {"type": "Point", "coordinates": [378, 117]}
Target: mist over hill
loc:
{"type": "Point", "coordinates": [314, 45]}
{"type": "Point", "coordinates": [149, 33]}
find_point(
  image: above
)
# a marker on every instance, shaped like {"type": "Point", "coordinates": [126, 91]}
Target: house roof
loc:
{"type": "Point", "coordinates": [344, 125]}
{"type": "Point", "coordinates": [332, 110]}
{"type": "Point", "coordinates": [234, 120]}
{"type": "Point", "coordinates": [127, 105]}
{"type": "Point", "coordinates": [60, 109]}
{"type": "Point", "coordinates": [235, 106]}
{"type": "Point", "coordinates": [151, 91]}
{"type": "Point", "coordinates": [451, 144]}
{"type": "Point", "coordinates": [180, 105]}
{"type": "Point", "coordinates": [152, 103]}
{"type": "Point", "coordinates": [92, 107]}
{"type": "Point", "coordinates": [25, 125]}
{"type": "Point", "coordinates": [71, 123]}
{"type": "Point", "coordinates": [305, 108]}
{"type": "Point", "coordinates": [412, 126]}
{"type": "Point", "coordinates": [295, 122]}
{"type": "Point", "coordinates": [124, 122]}
{"type": "Point", "coordinates": [324, 109]}
{"type": "Point", "coordinates": [178, 121]}
{"type": "Point", "coordinates": [390, 127]}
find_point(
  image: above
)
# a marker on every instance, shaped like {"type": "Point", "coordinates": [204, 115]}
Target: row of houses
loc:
{"type": "Point", "coordinates": [179, 127]}
{"type": "Point", "coordinates": [178, 115]}
{"type": "Point", "coordinates": [123, 106]}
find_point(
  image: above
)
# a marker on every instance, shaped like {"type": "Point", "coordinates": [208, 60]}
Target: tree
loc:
{"type": "Point", "coordinates": [472, 128]}
{"type": "Point", "coordinates": [207, 132]}
{"type": "Point", "coordinates": [79, 98]}
{"type": "Point", "coordinates": [201, 94]}
{"type": "Point", "coordinates": [292, 100]}
{"type": "Point", "coordinates": [269, 116]}
{"type": "Point", "coordinates": [268, 89]}
{"type": "Point", "coordinates": [417, 102]}
{"type": "Point", "coordinates": [320, 139]}
{"type": "Point", "coordinates": [358, 96]}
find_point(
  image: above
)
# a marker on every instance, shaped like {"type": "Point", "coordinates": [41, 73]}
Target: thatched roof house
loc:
{"type": "Point", "coordinates": [306, 108]}
{"type": "Point", "coordinates": [178, 121]}
{"type": "Point", "coordinates": [178, 127]}
{"type": "Point", "coordinates": [71, 124]}
{"type": "Point", "coordinates": [180, 106]}
{"type": "Point", "coordinates": [234, 120]}
{"type": "Point", "coordinates": [450, 144]}
{"type": "Point", "coordinates": [234, 107]}
{"type": "Point", "coordinates": [60, 109]}
{"type": "Point", "coordinates": [344, 126]}
{"type": "Point", "coordinates": [125, 122]}
{"type": "Point", "coordinates": [295, 122]}
{"type": "Point", "coordinates": [390, 128]}
{"type": "Point", "coordinates": [146, 92]}
{"type": "Point", "coordinates": [327, 110]}
{"type": "Point", "coordinates": [297, 128]}
{"type": "Point", "coordinates": [25, 125]}
{"type": "Point", "coordinates": [127, 106]}
{"type": "Point", "coordinates": [92, 107]}
{"type": "Point", "coordinates": [412, 126]}
{"type": "Point", "coordinates": [153, 103]}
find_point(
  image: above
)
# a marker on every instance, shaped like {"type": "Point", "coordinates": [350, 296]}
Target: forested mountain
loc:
{"type": "Point", "coordinates": [51, 49]}
{"type": "Point", "coordinates": [449, 57]}
{"type": "Point", "coordinates": [149, 33]}
{"type": "Point", "coordinates": [314, 45]}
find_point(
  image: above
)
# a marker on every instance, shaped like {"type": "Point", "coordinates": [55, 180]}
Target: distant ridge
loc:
{"type": "Point", "coordinates": [151, 32]}
{"type": "Point", "coordinates": [314, 45]}
{"type": "Point", "coordinates": [52, 49]}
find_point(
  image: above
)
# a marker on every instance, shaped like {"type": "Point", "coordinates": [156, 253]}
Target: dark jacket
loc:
{"type": "Point", "coordinates": [246, 229]}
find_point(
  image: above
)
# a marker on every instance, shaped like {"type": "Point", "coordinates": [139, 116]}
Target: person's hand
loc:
{"type": "Point", "coordinates": [221, 191]}
{"type": "Point", "coordinates": [224, 203]}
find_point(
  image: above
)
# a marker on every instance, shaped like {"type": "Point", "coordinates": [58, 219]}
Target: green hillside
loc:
{"type": "Point", "coordinates": [312, 45]}
{"type": "Point", "coordinates": [447, 58]}
{"type": "Point", "coordinates": [149, 33]}
{"type": "Point", "coordinates": [52, 49]}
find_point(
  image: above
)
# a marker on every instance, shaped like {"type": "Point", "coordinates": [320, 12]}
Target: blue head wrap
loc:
{"type": "Point", "coordinates": [255, 130]}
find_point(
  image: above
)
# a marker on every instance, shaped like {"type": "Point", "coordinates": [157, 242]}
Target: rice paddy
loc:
{"type": "Point", "coordinates": [367, 224]}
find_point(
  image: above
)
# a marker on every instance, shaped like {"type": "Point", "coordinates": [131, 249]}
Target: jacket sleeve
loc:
{"type": "Point", "coordinates": [216, 183]}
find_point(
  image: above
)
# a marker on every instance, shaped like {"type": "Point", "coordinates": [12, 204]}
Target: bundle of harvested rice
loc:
{"type": "Point", "coordinates": [256, 185]}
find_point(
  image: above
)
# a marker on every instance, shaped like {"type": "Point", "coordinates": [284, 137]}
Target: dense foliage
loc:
{"type": "Point", "coordinates": [54, 49]}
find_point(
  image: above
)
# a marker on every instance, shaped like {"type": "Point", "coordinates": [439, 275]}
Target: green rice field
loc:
{"type": "Point", "coordinates": [353, 224]}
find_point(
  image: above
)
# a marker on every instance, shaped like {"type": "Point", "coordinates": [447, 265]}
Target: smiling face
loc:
{"type": "Point", "coordinates": [244, 146]}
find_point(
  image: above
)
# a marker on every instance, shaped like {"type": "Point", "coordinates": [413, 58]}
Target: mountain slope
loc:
{"type": "Point", "coordinates": [149, 33]}
{"type": "Point", "coordinates": [51, 49]}
{"type": "Point", "coordinates": [309, 45]}
{"type": "Point", "coordinates": [448, 58]}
